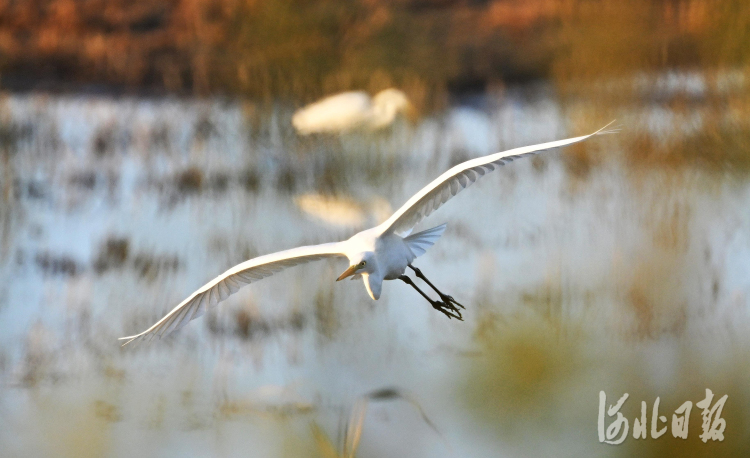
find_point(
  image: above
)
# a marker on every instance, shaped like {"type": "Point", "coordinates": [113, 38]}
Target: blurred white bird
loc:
{"type": "Point", "coordinates": [351, 110]}
{"type": "Point", "coordinates": [377, 254]}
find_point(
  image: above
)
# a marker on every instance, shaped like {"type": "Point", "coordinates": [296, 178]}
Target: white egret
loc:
{"type": "Point", "coordinates": [377, 254]}
{"type": "Point", "coordinates": [351, 110]}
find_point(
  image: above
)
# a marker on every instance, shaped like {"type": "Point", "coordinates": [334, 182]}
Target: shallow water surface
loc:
{"type": "Point", "coordinates": [580, 273]}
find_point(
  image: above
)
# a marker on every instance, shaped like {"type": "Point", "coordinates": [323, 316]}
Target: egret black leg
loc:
{"type": "Point", "coordinates": [449, 310]}
{"type": "Point", "coordinates": [446, 298]}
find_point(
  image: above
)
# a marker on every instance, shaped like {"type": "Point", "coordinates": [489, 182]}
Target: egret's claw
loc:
{"type": "Point", "coordinates": [449, 300]}
{"type": "Point", "coordinates": [448, 310]}
{"type": "Point", "coordinates": [447, 306]}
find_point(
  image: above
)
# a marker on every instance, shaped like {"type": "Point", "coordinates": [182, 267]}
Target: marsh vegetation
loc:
{"type": "Point", "coordinates": [620, 264]}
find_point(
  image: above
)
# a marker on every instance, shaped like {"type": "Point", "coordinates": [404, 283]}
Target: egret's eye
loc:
{"type": "Point", "coordinates": [363, 263]}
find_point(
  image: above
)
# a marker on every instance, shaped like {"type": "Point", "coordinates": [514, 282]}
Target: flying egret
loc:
{"type": "Point", "coordinates": [350, 110]}
{"type": "Point", "coordinates": [380, 253]}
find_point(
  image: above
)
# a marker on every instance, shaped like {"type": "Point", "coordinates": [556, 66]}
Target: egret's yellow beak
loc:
{"type": "Point", "coordinates": [348, 272]}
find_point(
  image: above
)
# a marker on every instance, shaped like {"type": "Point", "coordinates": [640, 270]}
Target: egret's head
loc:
{"type": "Point", "coordinates": [388, 103]}
{"type": "Point", "coordinates": [363, 263]}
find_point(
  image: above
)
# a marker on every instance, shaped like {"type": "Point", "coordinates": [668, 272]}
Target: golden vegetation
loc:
{"type": "Point", "coordinates": [304, 49]}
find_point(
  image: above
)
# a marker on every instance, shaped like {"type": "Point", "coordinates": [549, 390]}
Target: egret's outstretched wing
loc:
{"type": "Point", "coordinates": [447, 185]}
{"type": "Point", "coordinates": [231, 281]}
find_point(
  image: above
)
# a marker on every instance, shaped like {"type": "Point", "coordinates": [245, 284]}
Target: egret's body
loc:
{"type": "Point", "coordinates": [386, 256]}
{"type": "Point", "coordinates": [351, 110]}
{"type": "Point", "coordinates": [381, 253]}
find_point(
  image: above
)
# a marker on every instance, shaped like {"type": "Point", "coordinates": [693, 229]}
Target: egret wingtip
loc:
{"type": "Point", "coordinates": [604, 129]}
{"type": "Point", "coordinates": [127, 339]}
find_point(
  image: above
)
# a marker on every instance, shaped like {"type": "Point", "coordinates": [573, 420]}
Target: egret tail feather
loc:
{"type": "Point", "coordinates": [419, 243]}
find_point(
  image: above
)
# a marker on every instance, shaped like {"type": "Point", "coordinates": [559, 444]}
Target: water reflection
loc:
{"type": "Point", "coordinates": [618, 265]}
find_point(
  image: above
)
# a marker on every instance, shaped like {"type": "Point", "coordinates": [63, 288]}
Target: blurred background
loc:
{"type": "Point", "coordinates": [146, 146]}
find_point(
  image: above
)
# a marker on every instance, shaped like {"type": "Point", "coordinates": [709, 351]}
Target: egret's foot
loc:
{"type": "Point", "coordinates": [449, 300]}
{"type": "Point", "coordinates": [447, 309]}
{"type": "Point", "coordinates": [446, 306]}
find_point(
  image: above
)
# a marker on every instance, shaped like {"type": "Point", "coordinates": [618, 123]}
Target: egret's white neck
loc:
{"type": "Point", "coordinates": [383, 114]}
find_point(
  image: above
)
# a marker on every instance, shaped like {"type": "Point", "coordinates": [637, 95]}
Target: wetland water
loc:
{"type": "Point", "coordinates": [581, 272]}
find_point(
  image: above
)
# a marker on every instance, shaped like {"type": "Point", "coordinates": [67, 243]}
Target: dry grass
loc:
{"type": "Point", "coordinates": [715, 148]}
{"type": "Point", "coordinates": [355, 424]}
{"type": "Point", "coordinates": [302, 50]}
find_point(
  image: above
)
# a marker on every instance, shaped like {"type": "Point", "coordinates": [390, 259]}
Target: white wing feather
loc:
{"type": "Point", "coordinates": [231, 281]}
{"type": "Point", "coordinates": [458, 178]}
